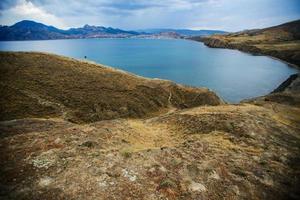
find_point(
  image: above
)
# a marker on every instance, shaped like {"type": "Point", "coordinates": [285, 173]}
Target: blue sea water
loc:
{"type": "Point", "coordinates": [233, 75]}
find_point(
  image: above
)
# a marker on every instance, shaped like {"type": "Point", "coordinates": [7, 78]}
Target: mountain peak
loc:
{"type": "Point", "coordinates": [87, 26]}
{"type": "Point", "coordinates": [28, 23]}
{"type": "Point", "coordinates": [31, 30]}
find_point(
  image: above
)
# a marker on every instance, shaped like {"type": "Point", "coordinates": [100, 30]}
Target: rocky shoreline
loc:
{"type": "Point", "coordinates": [280, 42]}
{"type": "Point", "coordinates": [287, 56]}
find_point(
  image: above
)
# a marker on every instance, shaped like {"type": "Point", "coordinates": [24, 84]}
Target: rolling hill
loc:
{"type": "Point", "coordinates": [282, 41]}
{"type": "Point", "coordinates": [77, 130]}
{"type": "Point", "coordinates": [85, 92]}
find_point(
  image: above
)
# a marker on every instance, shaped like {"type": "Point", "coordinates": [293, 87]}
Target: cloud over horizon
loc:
{"type": "Point", "coordinates": [229, 15]}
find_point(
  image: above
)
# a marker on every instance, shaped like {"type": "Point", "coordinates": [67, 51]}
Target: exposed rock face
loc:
{"type": "Point", "coordinates": [292, 84]}
{"type": "Point", "coordinates": [40, 85]}
{"type": "Point", "coordinates": [212, 151]}
{"type": "Point", "coordinates": [288, 93]}
{"type": "Point", "coordinates": [280, 41]}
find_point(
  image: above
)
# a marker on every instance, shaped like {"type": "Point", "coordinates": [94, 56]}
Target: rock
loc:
{"type": "Point", "coordinates": [162, 169]}
{"type": "Point", "coordinates": [46, 181]}
{"type": "Point", "coordinates": [57, 141]}
{"type": "Point", "coordinates": [197, 187]}
{"type": "Point", "coordinates": [102, 180]}
{"type": "Point", "coordinates": [129, 174]}
{"type": "Point", "coordinates": [214, 175]}
{"type": "Point", "coordinates": [102, 184]}
{"type": "Point", "coordinates": [152, 169]}
{"type": "Point", "coordinates": [267, 180]}
{"type": "Point", "coordinates": [252, 134]}
{"type": "Point", "coordinates": [236, 190]}
{"type": "Point", "coordinates": [45, 159]}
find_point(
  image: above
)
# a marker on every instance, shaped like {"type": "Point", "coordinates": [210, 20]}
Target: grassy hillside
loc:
{"type": "Point", "coordinates": [281, 41]}
{"type": "Point", "coordinates": [190, 146]}
{"type": "Point", "coordinates": [43, 85]}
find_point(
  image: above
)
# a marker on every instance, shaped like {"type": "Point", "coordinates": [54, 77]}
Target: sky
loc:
{"type": "Point", "coordinates": [228, 15]}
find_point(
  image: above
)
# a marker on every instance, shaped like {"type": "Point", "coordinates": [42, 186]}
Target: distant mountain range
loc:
{"type": "Point", "coordinates": [31, 30]}
{"type": "Point", "coordinates": [184, 32]}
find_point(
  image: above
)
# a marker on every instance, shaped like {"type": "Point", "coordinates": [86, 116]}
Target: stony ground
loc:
{"type": "Point", "coordinates": [210, 152]}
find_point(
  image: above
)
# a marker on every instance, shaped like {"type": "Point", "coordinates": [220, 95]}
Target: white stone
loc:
{"type": "Point", "coordinates": [102, 184]}
{"type": "Point", "coordinates": [162, 169]}
{"type": "Point", "coordinates": [57, 141]}
{"type": "Point", "coordinates": [197, 187]}
{"type": "Point", "coordinates": [253, 134]}
{"type": "Point", "coordinates": [46, 181]}
{"type": "Point", "coordinates": [214, 175]}
{"type": "Point", "coordinates": [129, 174]}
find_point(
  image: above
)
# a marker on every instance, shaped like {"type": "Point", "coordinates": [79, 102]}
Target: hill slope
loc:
{"type": "Point", "coordinates": [281, 41]}
{"type": "Point", "coordinates": [41, 85]}
{"type": "Point", "coordinates": [213, 151]}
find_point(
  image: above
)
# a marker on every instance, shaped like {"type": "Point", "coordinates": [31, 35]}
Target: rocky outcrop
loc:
{"type": "Point", "coordinates": [291, 84]}
{"type": "Point", "coordinates": [287, 93]}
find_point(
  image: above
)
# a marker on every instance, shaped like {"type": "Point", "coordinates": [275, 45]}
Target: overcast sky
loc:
{"type": "Point", "coordinates": [229, 15]}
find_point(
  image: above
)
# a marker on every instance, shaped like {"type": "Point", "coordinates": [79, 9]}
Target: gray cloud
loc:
{"type": "Point", "coordinates": [135, 14]}
{"type": "Point", "coordinates": [5, 4]}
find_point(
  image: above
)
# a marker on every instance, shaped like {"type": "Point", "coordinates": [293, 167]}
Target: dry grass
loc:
{"type": "Point", "coordinates": [281, 42]}
{"type": "Point", "coordinates": [244, 151]}
{"type": "Point", "coordinates": [43, 85]}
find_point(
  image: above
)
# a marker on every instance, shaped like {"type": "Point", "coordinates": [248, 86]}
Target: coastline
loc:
{"type": "Point", "coordinates": [116, 69]}
{"type": "Point", "coordinates": [84, 123]}
{"type": "Point", "coordinates": [218, 43]}
{"type": "Point", "coordinates": [185, 38]}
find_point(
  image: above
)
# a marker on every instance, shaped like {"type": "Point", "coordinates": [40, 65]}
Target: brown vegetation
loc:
{"type": "Point", "coordinates": [41, 85]}
{"type": "Point", "coordinates": [187, 145]}
{"type": "Point", "coordinates": [281, 41]}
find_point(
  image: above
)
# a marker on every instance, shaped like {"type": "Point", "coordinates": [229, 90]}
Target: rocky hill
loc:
{"type": "Point", "coordinates": [77, 130]}
{"type": "Point", "coordinates": [31, 30]}
{"type": "Point", "coordinates": [281, 41]}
